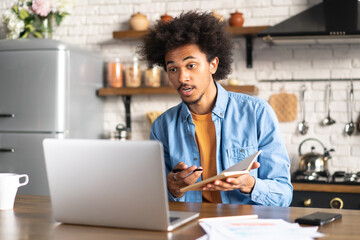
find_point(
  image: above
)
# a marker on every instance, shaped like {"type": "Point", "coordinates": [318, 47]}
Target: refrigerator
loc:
{"type": "Point", "coordinates": [47, 90]}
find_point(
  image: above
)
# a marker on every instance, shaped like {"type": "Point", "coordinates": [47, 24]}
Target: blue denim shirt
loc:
{"type": "Point", "coordinates": [243, 125]}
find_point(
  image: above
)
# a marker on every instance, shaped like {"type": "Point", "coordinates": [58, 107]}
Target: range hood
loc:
{"type": "Point", "coordinates": [329, 22]}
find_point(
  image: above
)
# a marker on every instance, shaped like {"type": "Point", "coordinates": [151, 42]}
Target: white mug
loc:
{"type": "Point", "coordinates": [9, 183]}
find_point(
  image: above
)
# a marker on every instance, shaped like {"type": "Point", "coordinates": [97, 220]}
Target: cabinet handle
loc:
{"type": "Point", "coordinates": [7, 115]}
{"type": "Point", "coordinates": [7, 150]}
{"type": "Point", "coordinates": [336, 203]}
{"type": "Point", "coordinates": [307, 202]}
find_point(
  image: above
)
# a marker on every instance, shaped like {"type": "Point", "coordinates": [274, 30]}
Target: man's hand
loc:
{"type": "Point", "coordinates": [245, 183]}
{"type": "Point", "coordinates": [178, 180]}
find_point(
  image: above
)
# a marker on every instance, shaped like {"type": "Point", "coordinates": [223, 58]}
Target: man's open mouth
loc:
{"type": "Point", "coordinates": [186, 90]}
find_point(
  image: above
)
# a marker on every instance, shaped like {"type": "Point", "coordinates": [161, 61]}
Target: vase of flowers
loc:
{"type": "Point", "coordinates": [35, 18]}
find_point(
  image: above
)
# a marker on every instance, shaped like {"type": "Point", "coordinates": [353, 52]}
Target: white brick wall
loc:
{"type": "Point", "coordinates": [93, 21]}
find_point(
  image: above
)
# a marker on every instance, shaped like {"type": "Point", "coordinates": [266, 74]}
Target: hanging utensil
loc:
{"type": "Point", "coordinates": [303, 126]}
{"type": "Point", "coordinates": [350, 126]}
{"type": "Point", "coordinates": [328, 120]}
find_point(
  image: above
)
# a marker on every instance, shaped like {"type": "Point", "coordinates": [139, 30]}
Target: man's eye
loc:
{"type": "Point", "coordinates": [172, 70]}
{"type": "Point", "coordinates": [192, 65]}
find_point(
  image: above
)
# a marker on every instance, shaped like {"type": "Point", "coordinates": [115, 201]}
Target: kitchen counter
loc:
{"type": "Point", "coordinates": [32, 219]}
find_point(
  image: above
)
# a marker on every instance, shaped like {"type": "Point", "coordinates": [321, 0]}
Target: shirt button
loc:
{"type": "Point", "coordinates": [191, 135]}
{"type": "Point", "coordinates": [221, 114]}
{"type": "Point", "coordinates": [195, 159]}
{"type": "Point", "coordinates": [242, 150]}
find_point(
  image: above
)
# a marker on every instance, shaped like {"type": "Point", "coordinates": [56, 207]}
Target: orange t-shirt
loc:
{"type": "Point", "coordinates": [206, 140]}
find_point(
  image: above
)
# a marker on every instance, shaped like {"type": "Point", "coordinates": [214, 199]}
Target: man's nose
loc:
{"type": "Point", "coordinates": [184, 76]}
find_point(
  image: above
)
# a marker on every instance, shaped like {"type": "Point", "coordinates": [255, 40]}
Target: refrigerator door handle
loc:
{"type": "Point", "coordinates": [7, 115]}
{"type": "Point", "coordinates": [7, 150]}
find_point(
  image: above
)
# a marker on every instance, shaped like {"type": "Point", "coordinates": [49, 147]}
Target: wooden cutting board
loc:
{"type": "Point", "coordinates": [151, 116]}
{"type": "Point", "coordinates": [285, 106]}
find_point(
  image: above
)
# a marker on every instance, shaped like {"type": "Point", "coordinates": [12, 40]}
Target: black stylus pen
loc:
{"type": "Point", "coordinates": [175, 170]}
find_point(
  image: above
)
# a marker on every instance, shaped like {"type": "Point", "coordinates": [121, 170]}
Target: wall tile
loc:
{"type": "Point", "coordinates": [270, 12]}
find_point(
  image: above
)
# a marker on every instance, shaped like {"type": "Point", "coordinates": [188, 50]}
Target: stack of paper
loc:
{"type": "Point", "coordinates": [241, 228]}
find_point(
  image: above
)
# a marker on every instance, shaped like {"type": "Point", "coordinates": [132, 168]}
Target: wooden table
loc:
{"type": "Point", "coordinates": [32, 219]}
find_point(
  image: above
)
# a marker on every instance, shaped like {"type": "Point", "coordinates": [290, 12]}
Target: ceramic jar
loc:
{"type": "Point", "coordinates": [139, 22]}
{"type": "Point", "coordinates": [233, 82]}
{"type": "Point", "coordinates": [236, 19]}
{"type": "Point", "coordinates": [166, 18]}
{"type": "Point", "coordinates": [217, 15]}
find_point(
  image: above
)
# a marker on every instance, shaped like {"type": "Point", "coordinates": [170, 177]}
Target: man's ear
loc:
{"type": "Point", "coordinates": [214, 65]}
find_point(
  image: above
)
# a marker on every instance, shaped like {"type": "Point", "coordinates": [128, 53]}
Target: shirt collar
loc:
{"type": "Point", "coordinates": [220, 104]}
{"type": "Point", "coordinates": [222, 99]}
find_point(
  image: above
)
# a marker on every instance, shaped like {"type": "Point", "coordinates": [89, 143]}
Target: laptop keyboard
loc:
{"type": "Point", "coordinates": [172, 219]}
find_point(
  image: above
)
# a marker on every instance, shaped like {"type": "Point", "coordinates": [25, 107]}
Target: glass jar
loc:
{"type": "Point", "coordinates": [133, 74]}
{"type": "Point", "coordinates": [115, 73]}
{"type": "Point", "coordinates": [152, 77]}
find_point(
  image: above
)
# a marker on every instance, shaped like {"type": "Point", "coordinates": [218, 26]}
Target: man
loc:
{"type": "Point", "coordinates": [213, 129]}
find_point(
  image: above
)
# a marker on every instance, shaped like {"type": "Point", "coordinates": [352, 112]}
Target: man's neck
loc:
{"type": "Point", "coordinates": [207, 102]}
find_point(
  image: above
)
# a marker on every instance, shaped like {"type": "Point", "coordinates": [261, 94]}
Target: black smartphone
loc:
{"type": "Point", "coordinates": [318, 218]}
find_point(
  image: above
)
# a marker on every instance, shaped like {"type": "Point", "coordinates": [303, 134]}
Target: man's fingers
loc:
{"type": "Point", "coordinates": [255, 165]}
{"type": "Point", "coordinates": [224, 185]}
{"type": "Point", "coordinates": [182, 178]}
{"type": "Point", "coordinates": [185, 176]}
{"type": "Point", "coordinates": [181, 166]}
{"type": "Point", "coordinates": [192, 177]}
{"type": "Point", "coordinates": [185, 172]}
{"type": "Point", "coordinates": [220, 185]}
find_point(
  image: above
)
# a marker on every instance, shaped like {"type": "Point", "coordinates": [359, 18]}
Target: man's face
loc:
{"type": "Point", "coordinates": [190, 73]}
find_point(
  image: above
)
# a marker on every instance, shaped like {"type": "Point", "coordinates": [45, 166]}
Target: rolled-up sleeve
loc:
{"type": "Point", "coordinates": [272, 186]}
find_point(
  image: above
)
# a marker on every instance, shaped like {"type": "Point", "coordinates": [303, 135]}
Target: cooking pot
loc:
{"type": "Point", "coordinates": [314, 162]}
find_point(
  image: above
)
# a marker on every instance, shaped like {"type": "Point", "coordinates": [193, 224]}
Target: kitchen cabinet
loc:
{"type": "Point", "coordinates": [324, 195]}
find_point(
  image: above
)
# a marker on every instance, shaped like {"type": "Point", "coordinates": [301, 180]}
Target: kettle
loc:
{"type": "Point", "coordinates": [314, 162]}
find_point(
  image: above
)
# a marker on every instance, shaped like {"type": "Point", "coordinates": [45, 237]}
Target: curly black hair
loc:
{"type": "Point", "coordinates": [192, 27]}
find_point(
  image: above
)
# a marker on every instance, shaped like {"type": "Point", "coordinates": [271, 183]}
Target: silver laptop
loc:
{"type": "Point", "coordinates": [110, 183]}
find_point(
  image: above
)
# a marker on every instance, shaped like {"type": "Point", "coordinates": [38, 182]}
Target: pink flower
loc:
{"type": "Point", "coordinates": [42, 7]}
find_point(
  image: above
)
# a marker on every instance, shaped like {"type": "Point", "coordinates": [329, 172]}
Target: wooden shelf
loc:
{"type": "Point", "coordinates": [241, 31]}
{"type": "Point", "coordinates": [234, 31]}
{"type": "Point", "coordinates": [126, 94]}
{"type": "Point", "coordinates": [248, 89]}
{"type": "Point", "coordinates": [248, 32]}
{"type": "Point", "coordinates": [131, 34]}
